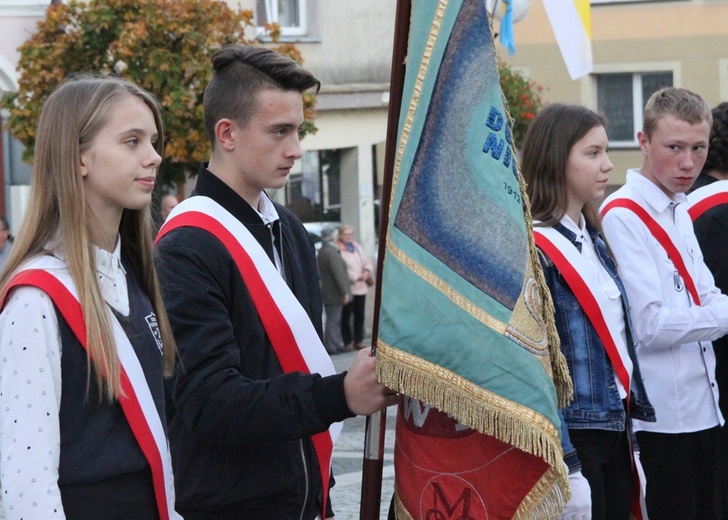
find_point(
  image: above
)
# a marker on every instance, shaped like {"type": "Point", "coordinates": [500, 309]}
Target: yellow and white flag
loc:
{"type": "Point", "coordinates": [571, 23]}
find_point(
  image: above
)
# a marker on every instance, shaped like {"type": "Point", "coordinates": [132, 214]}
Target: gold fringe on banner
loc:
{"type": "Point", "coordinates": [547, 498]}
{"type": "Point", "coordinates": [562, 379]}
{"type": "Point", "coordinates": [559, 367]}
{"type": "Point", "coordinates": [471, 405]}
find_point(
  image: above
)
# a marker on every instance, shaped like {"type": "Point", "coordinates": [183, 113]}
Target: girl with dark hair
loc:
{"type": "Point", "coordinates": [566, 167]}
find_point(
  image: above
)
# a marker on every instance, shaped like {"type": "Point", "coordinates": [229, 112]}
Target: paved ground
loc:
{"type": "Point", "coordinates": [349, 449]}
{"type": "Point", "coordinates": [347, 461]}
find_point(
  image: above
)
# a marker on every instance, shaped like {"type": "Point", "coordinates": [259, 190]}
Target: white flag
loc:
{"type": "Point", "coordinates": [571, 23]}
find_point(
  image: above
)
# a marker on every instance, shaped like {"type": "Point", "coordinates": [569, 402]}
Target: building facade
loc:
{"type": "Point", "coordinates": [638, 46]}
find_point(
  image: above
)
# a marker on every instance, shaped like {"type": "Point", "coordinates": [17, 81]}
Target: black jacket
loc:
{"type": "Point", "coordinates": [711, 230]}
{"type": "Point", "coordinates": [334, 276]}
{"type": "Point", "coordinates": [239, 427]}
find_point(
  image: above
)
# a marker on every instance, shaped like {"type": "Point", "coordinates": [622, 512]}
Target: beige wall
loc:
{"type": "Point", "coordinates": [634, 21]}
{"type": "Point", "coordinates": [355, 41]}
{"type": "Point", "coordinates": [348, 42]}
{"type": "Point", "coordinates": [347, 128]}
{"type": "Point", "coordinates": [688, 37]}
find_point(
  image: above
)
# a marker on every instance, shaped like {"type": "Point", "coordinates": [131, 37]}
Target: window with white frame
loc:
{"type": "Point", "coordinates": [622, 96]}
{"type": "Point", "coordinates": [290, 15]}
{"type": "Point", "coordinates": [314, 192]}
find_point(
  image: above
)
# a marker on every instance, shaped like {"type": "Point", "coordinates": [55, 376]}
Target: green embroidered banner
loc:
{"type": "Point", "coordinates": [461, 324]}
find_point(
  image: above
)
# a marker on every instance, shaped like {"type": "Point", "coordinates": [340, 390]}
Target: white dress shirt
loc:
{"type": "Point", "coordinates": [614, 311]}
{"type": "Point", "coordinates": [30, 392]}
{"type": "Point", "coordinates": [673, 334]}
{"type": "Point", "coordinates": [267, 212]}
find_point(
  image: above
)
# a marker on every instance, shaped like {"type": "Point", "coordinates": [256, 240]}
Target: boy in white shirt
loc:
{"type": "Point", "coordinates": [676, 308]}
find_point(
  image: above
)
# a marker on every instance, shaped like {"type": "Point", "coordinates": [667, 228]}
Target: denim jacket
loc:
{"type": "Point", "coordinates": [596, 404]}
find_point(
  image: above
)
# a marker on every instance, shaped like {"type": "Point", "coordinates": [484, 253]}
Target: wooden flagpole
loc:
{"type": "Point", "coordinates": [371, 490]}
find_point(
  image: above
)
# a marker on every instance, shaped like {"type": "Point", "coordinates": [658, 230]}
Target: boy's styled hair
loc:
{"type": "Point", "coordinates": [72, 116]}
{"type": "Point", "coordinates": [679, 102]}
{"type": "Point", "coordinates": [239, 72]}
{"type": "Point", "coordinates": [717, 158]}
{"type": "Point", "coordinates": [545, 154]}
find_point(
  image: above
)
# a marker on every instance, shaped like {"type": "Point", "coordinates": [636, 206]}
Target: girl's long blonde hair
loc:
{"type": "Point", "coordinates": [72, 116]}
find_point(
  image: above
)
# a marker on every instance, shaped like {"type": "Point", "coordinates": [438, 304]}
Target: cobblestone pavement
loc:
{"type": "Point", "coordinates": [348, 455]}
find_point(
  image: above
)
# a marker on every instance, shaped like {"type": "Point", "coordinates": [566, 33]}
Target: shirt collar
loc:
{"type": "Point", "coordinates": [266, 209]}
{"type": "Point", "coordinates": [651, 193]}
{"type": "Point", "coordinates": [109, 263]}
{"type": "Point", "coordinates": [209, 185]}
{"type": "Point", "coordinates": [578, 229]}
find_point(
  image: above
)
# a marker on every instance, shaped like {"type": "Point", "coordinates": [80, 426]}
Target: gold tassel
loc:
{"type": "Point", "coordinates": [547, 498]}
{"type": "Point", "coordinates": [470, 405]}
{"type": "Point", "coordinates": [400, 512]}
{"type": "Point", "coordinates": [562, 378]}
{"type": "Point", "coordinates": [559, 367]}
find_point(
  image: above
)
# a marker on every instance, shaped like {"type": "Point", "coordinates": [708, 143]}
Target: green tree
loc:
{"type": "Point", "coordinates": [524, 100]}
{"type": "Point", "coordinates": [162, 45]}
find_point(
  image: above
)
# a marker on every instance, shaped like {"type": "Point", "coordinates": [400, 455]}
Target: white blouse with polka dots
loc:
{"type": "Point", "coordinates": [30, 392]}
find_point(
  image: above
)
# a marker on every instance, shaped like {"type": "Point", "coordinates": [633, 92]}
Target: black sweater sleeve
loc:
{"type": "Point", "coordinates": [228, 386]}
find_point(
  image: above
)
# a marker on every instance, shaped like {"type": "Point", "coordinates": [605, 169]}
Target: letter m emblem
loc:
{"type": "Point", "coordinates": [443, 509]}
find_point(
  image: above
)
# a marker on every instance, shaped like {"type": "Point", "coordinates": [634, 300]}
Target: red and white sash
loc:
{"type": "Point", "coordinates": [662, 236]}
{"type": "Point", "coordinates": [52, 277]}
{"type": "Point", "coordinates": [291, 333]}
{"type": "Point", "coordinates": [707, 197]}
{"type": "Point", "coordinates": [581, 279]}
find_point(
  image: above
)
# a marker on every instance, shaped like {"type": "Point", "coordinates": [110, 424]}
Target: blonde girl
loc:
{"type": "Point", "coordinates": [84, 337]}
